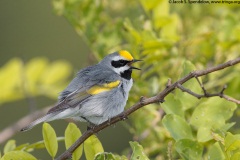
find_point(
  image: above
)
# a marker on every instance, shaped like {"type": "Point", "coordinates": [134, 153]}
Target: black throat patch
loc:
{"type": "Point", "coordinates": [127, 74]}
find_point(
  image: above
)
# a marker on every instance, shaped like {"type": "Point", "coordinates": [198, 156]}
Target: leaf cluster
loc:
{"type": "Point", "coordinates": [92, 147]}
{"type": "Point", "coordinates": [172, 41]}
{"type": "Point", "coordinates": [37, 77]}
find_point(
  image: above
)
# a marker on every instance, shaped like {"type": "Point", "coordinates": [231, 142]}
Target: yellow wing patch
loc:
{"type": "Point", "coordinates": [105, 87]}
{"type": "Point", "coordinates": [97, 90]}
{"type": "Point", "coordinates": [112, 84]}
{"type": "Point", "coordinates": [126, 55]}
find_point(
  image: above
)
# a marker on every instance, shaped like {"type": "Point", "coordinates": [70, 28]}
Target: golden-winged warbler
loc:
{"type": "Point", "coordinates": [97, 93]}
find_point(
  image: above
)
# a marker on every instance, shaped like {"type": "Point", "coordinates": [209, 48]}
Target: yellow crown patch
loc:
{"type": "Point", "coordinates": [126, 55]}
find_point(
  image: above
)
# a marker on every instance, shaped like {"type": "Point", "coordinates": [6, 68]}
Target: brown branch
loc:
{"type": "Point", "coordinates": [143, 102]}
{"type": "Point", "coordinates": [189, 91]}
{"type": "Point", "coordinates": [206, 94]}
{"type": "Point", "coordinates": [8, 132]}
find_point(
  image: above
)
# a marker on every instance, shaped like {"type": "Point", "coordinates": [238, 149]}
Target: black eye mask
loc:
{"type": "Point", "coordinates": [119, 63]}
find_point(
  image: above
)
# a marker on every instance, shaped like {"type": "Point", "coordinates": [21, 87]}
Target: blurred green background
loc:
{"type": "Point", "coordinates": [30, 29]}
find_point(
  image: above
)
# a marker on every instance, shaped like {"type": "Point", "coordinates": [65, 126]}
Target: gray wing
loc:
{"type": "Point", "coordinates": [76, 91]}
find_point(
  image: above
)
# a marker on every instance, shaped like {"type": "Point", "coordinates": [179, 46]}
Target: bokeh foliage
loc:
{"type": "Point", "coordinates": [173, 39]}
{"type": "Point", "coordinates": [36, 77]}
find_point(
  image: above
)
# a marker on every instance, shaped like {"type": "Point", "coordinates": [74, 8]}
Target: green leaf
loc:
{"type": "Point", "coordinates": [21, 147]}
{"type": "Point", "coordinates": [236, 156]}
{"type": "Point", "coordinates": [227, 126]}
{"type": "Point", "coordinates": [138, 152]}
{"type": "Point", "coordinates": [161, 9]}
{"type": "Point", "coordinates": [92, 146]}
{"type": "Point", "coordinates": [177, 126]}
{"type": "Point", "coordinates": [149, 5]}
{"type": "Point", "coordinates": [10, 146]}
{"type": "Point", "coordinates": [18, 155]}
{"type": "Point", "coordinates": [189, 149]}
{"type": "Point", "coordinates": [187, 100]}
{"type": "Point", "coordinates": [169, 31]}
{"type": "Point", "coordinates": [161, 14]}
{"type": "Point", "coordinates": [50, 139]}
{"type": "Point", "coordinates": [215, 152]}
{"type": "Point", "coordinates": [156, 44]}
{"type": "Point", "coordinates": [104, 156]}
{"type": "Point", "coordinates": [56, 72]}
{"type": "Point", "coordinates": [33, 72]}
{"type": "Point", "coordinates": [211, 114]}
{"type": "Point", "coordinates": [232, 142]}
{"type": "Point", "coordinates": [141, 121]}
{"type": "Point", "coordinates": [172, 105]}
{"type": "Point", "coordinates": [233, 85]}
{"type": "Point", "coordinates": [211, 111]}
{"type": "Point", "coordinates": [132, 31]}
{"type": "Point", "coordinates": [72, 133]}
{"type": "Point", "coordinates": [9, 80]}
{"type": "Point", "coordinates": [204, 134]}
{"type": "Point", "coordinates": [109, 156]}
{"type": "Point", "coordinates": [39, 145]}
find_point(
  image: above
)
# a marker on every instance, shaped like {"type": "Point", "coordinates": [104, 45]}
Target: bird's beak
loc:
{"type": "Point", "coordinates": [133, 61]}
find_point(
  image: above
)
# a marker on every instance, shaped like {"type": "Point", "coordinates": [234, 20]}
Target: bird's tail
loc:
{"type": "Point", "coordinates": [37, 121]}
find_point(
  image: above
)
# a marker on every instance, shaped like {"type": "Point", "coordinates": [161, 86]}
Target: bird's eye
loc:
{"type": "Point", "coordinates": [122, 62]}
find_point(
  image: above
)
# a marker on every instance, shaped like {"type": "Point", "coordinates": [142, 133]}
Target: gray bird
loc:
{"type": "Point", "coordinates": [97, 93]}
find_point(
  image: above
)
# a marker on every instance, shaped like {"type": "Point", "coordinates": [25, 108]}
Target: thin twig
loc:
{"type": "Point", "coordinates": [169, 82]}
{"type": "Point", "coordinates": [8, 132]}
{"type": "Point", "coordinates": [206, 94]}
{"type": "Point", "coordinates": [145, 101]}
{"type": "Point", "coordinates": [169, 150]}
{"type": "Point", "coordinates": [189, 91]}
{"type": "Point", "coordinates": [231, 99]}
{"type": "Point", "coordinates": [201, 85]}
